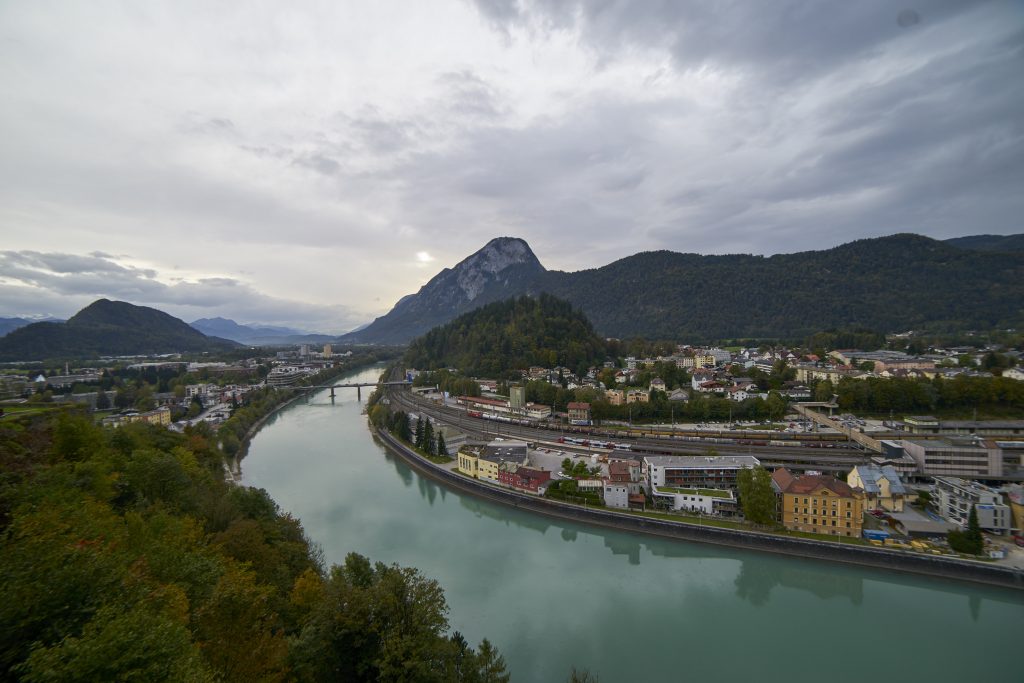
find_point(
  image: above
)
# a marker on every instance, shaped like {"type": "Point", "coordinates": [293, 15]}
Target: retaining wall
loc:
{"type": "Point", "coordinates": [869, 556]}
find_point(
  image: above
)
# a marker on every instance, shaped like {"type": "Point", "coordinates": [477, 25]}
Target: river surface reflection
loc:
{"type": "Point", "coordinates": [553, 594]}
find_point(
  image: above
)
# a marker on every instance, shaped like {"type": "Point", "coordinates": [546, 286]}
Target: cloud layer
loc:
{"type": "Point", "coordinates": [295, 164]}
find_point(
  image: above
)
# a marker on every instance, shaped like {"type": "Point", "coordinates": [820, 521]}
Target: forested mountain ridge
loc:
{"type": "Point", "coordinates": [105, 327]}
{"type": "Point", "coordinates": [889, 284]}
{"type": "Point", "coordinates": [989, 242]}
{"type": "Point", "coordinates": [507, 336]}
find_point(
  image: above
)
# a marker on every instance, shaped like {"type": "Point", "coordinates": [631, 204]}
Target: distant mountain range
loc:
{"type": "Point", "coordinates": [888, 284]}
{"type": "Point", "coordinates": [107, 328]}
{"type": "Point", "coordinates": [11, 324]}
{"type": "Point", "coordinates": [258, 335]}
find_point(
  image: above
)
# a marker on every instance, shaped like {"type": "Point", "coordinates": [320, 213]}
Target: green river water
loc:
{"type": "Point", "coordinates": [551, 594]}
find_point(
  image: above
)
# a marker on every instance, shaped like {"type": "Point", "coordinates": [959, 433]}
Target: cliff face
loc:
{"type": "Point", "coordinates": [505, 267]}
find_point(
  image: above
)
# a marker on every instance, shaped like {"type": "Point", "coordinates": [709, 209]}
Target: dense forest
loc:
{"type": "Point", "coordinates": [125, 556]}
{"type": "Point", "coordinates": [892, 284]}
{"type": "Point", "coordinates": [502, 338]}
{"type": "Point", "coordinates": [110, 328]}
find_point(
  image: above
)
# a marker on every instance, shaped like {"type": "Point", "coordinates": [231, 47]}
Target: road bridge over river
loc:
{"type": "Point", "coordinates": [357, 385]}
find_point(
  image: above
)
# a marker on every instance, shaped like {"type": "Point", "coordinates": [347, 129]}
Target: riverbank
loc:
{"type": "Point", "coordinates": [235, 466]}
{"type": "Point", "coordinates": [868, 556]}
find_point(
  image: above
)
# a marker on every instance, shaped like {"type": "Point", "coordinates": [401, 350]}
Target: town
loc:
{"type": "Point", "coordinates": [916, 482]}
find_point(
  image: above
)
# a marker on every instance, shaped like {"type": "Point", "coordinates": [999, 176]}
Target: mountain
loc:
{"type": "Point", "coordinates": [504, 268]}
{"type": "Point", "coordinates": [107, 328]}
{"type": "Point", "coordinates": [266, 335]}
{"type": "Point", "coordinates": [989, 242]}
{"type": "Point", "coordinates": [11, 324]}
{"type": "Point", "coordinates": [887, 284]}
{"type": "Point", "coordinates": [510, 335]}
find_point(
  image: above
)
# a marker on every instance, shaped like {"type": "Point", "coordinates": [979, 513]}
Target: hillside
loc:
{"type": "Point", "coordinates": [505, 267]}
{"type": "Point", "coordinates": [989, 242]}
{"type": "Point", "coordinates": [888, 284]}
{"type": "Point", "coordinates": [510, 335]}
{"type": "Point", "coordinates": [107, 328]}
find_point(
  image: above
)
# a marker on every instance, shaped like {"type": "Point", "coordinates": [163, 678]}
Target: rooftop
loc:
{"type": "Point", "coordinates": [702, 461]}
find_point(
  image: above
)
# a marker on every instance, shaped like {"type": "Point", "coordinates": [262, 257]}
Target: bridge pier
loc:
{"type": "Point", "coordinates": [332, 393]}
{"type": "Point", "coordinates": [359, 394]}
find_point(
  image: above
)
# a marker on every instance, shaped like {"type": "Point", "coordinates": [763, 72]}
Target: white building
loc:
{"type": "Point", "coordinates": [956, 496]}
{"type": "Point", "coordinates": [706, 501]}
{"type": "Point", "coordinates": [616, 495]}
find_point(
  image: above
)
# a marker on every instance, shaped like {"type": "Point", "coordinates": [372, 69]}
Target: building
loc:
{"type": "Point", "coordinates": [956, 496]}
{"type": "Point", "coordinates": [696, 471]}
{"type": "Point", "coordinates": [485, 461]}
{"type": "Point", "coordinates": [958, 457]}
{"type": "Point", "coordinates": [616, 495]}
{"type": "Point", "coordinates": [637, 396]}
{"type": "Point", "coordinates": [579, 413]}
{"type": "Point", "coordinates": [522, 477]}
{"type": "Point", "coordinates": [882, 487]}
{"type": "Point", "coordinates": [328, 351]}
{"type": "Point", "coordinates": [819, 504]}
{"type": "Point", "coordinates": [517, 398]}
{"type": "Point", "coordinates": [615, 397]}
{"type": "Point", "coordinates": [657, 384]}
{"type": "Point", "coordinates": [926, 424]}
{"type": "Point", "coordinates": [537, 411]}
{"type": "Point", "coordinates": [705, 501]}
{"type": "Point", "coordinates": [160, 416]}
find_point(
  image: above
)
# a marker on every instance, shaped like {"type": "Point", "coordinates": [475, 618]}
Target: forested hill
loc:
{"type": "Point", "coordinates": [510, 335]}
{"type": "Point", "coordinates": [125, 556]}
{"type": "Point", "coordinates": [890, 283]}
{"type": "Point", "coordinates": [112, 328]}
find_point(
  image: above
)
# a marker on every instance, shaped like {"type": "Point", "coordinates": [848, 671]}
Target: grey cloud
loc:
{"type": "Point", "coordinates": [35, 281]}
{"type": "Point", "coordinates": [781, 41]}
{"type": "Point", "coordinates": [319, 163]}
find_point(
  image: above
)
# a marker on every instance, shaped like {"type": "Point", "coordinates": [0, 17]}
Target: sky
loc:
{"type": "Point", "coordinates": [309, 163]}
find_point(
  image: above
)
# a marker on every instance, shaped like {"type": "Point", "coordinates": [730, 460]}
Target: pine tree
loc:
{"type": "Point", "coordinates": [974, 531]}
{"type": "Point", "coordinates": [418, 440]}
{"type": "Point", "coordinates": [428, 438]}
{"type": "Point", "coordinates": [442, 447]}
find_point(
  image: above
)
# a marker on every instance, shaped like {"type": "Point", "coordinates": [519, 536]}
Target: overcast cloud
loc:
{"type": "Point", "coordinates": [310, 163]}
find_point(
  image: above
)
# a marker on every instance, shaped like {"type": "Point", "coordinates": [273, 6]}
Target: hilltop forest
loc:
{"type": "Point", "coordinates": [506, 336]}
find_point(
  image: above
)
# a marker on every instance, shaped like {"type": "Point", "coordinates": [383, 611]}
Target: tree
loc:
{"type": "Point", "coordinates": [102, 401]}
{"type": "Point", "coordinates": [429, 445]}
{"type": "Point", "coordinates": [756, 496]}
{"type": "Point", "coordinates": [418, 438]}
{"type": "Point", "coordinates": [442, 447]}
{"type": "Point", "coordinates": [970, 541]}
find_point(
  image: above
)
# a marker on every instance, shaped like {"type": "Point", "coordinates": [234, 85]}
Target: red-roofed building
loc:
{"type": "Point", "coordinates": [521, 477]}
{"type": "Point", "coordinates": [579, 413]}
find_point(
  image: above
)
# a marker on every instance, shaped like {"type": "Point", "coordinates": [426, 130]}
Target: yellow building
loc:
{"type": "Point", "coordinates": [479, 464]}
{"type": "Point", "coordinates": [468, 462]}
{"type": "Point", "coordinates": [819, 504]}
{"type": "Point", "coordinates": [703, 361]}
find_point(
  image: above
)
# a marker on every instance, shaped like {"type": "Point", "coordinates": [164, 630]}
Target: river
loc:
{"type": "Point", "coordinates": [551, 594]}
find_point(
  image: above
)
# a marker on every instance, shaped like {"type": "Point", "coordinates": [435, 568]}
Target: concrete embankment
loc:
{"type": "Point", "coordinates": [869, 556]}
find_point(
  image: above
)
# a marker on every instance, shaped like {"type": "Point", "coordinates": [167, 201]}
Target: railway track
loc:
{"type": "Point", "coordinates": [836, 459]}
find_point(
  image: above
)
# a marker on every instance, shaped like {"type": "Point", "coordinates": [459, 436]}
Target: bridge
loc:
{"type": "Point", "coordinates": [358, 386]}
